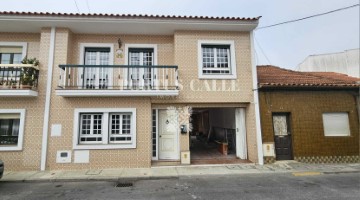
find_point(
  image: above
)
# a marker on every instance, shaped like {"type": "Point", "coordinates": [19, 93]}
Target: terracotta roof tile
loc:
{"type": "Point", "coordinates": [272, 76]}
{"type": "Point", "coordinates": [129, 16]}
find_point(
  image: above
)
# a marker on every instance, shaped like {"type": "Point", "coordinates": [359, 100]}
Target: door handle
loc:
{"type": "Point", "coordinates": [159, 135]}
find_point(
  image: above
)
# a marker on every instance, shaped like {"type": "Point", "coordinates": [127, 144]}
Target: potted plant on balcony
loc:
{"type": "Point", "coordinates": [28, 73]}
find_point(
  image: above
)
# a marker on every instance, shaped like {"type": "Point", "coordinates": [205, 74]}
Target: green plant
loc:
{"type": "Point", "coordinates": [12, 83]}
{"type": "Point", "coordinates": [28, 73]}
{"type": "Point", "coordinates": [32, 61]}
{"type": "Point", "coordinates": [27, 76]}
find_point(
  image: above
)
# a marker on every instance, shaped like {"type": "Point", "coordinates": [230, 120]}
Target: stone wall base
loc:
{"type": "Point", "coordinates": [328, 159]}
{"type": "Point", "coordinates": [319, 159]}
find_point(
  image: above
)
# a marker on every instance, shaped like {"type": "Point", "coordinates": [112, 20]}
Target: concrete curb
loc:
{"type": "Point", "coordinates": [133, 179]}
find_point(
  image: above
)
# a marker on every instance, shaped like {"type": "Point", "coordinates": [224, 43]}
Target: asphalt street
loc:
{"type": "Point", "coordinates": [252, 186]}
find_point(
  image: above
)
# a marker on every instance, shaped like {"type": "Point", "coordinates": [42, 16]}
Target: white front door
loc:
{"type": "Point", "coordinates": [168, 135]}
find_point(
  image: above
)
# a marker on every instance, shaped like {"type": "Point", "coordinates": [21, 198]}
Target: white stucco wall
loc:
{"type": "Point", "coordinates": [346, 62]}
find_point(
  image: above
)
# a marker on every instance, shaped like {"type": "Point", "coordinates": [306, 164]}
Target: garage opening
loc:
{"type": "Point", "coordinates": [218, 136]}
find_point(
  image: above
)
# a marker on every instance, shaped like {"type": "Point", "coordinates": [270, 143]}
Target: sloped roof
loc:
{"type": "Point", "coordinates": [272, 76]}
{"type": "Point", "coordinates": [128, 16]}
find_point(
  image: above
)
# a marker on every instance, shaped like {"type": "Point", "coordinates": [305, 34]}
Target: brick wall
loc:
{"type": "Point", "coordinates": [306, 108]}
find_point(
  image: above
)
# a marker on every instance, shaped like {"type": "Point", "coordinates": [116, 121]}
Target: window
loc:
{"type": "Point", "coordinates": [120, 128]}
{"type": "Point", "coordinates": [141, 56]}
{"type": "Point", "coordinates": [336, 124]}
{"type": "Point", "coordinates": [144, 55]}
{"type": "Point", "coordinates": [96, 54]}
{"type": "Point", "coordinates": [154, 135]}
{"type": "Point", "coordinates": [11, 129]}
{"type": "Point", "coordinates": [105, 128]}
{"type": "Point", "coordinates": [90, 128]}
{"type": "Point", "coordinates": [216, 60]}
{"type": "Point", "coordinates": [12, 52]}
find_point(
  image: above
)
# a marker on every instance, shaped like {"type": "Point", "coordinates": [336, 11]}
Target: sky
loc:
{"type": "Point", "coordinates": [285, 46]}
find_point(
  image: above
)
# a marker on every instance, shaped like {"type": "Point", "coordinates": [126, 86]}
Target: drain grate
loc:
{"type": "Point", "coordinates": [123, 184]}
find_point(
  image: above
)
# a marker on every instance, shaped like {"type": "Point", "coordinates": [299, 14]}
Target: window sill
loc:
{"type": "Point", "coordinates": [104, 146]}
{"type": "Point", "coordinates": [336, 136]}
{"type": "Point", "coordinates": [10, 148]}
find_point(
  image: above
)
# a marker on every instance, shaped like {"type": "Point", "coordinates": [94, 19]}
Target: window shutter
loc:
{"type": "Point", "coordinates": [10, 49]}
{"type": "Point", "coordinates": [336, 124]}
{"type": "Point", "coordinates": [10, 116]}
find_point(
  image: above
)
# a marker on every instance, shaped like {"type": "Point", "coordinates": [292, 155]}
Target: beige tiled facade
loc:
{"type": "Point", "coordinates": [29, 157]}
{"type": "Point", "coordinates": [178, 49]}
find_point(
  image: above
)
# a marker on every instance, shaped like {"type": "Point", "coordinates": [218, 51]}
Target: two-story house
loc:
{"type": "Point", "coordinates": [126, 91]}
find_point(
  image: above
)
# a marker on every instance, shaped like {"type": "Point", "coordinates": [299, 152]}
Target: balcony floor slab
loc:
{"type": "Point", "coordinates": [18, 93]}
{"type": "Point", "coordinates": [115, 93]}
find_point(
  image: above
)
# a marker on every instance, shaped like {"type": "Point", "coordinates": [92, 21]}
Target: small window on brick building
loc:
{"type": "Point", "coordinates": [336, 124]}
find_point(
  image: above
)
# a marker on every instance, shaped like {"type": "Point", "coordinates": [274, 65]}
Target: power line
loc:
{"type": "Point", "coordinates": [87, 3]}
{"type": "Point", "coordinates": [77, 6]}
{"type": "Point", "coordinates": [317, 15]}
{"type": "Point", "coordinates": [261, 49]}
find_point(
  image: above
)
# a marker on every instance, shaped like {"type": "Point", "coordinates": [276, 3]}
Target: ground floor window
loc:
{"type": "Point", "coordinates": [11, 129]}
{"type": "Point", "coordinates": [336, 124]}
{"type": "Point", "coordinates": [90, 128]}
{"type": "Point", "coordinates": [110, 128]}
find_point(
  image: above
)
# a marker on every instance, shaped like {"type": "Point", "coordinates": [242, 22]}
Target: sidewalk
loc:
{"type": "Point", "coordinates": [297, 169]}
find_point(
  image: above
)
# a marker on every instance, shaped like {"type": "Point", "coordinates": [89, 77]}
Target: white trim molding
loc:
{"type": "Point", "coordinates": [44, 142]}
{"type": "Point", "coordinates": [256, 102]}
{"type": "Point", "coordinates": [232, 75]}
{"type": "Point", "coordinates": [105, 125]}
{"type": "Point", "coordinates": [127, 46]}
{"type": "Point", "coordinates": [106, 45]}
{"type": "Point", "coordinates": [18, 93]}
{"type": "Point", "coordinates": [17, 44]}
{"type": "Point", "coordinates": [19, 145]}
{"type": "Point", "coordinates": [96, 45]}
{"type": "Point", "coordinates": [116, 93]}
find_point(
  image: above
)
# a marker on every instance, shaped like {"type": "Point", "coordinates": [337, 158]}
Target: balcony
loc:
{"type": "Point", "coordinates": [117, 80]}
{"type": "Point", "coordinates": [18, 80]}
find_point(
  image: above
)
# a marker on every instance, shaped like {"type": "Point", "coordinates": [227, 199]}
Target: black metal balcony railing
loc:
{"type": "Point", "coordinates": [18, 76]}
{"type": "Point", "coordinates": [118, 77]}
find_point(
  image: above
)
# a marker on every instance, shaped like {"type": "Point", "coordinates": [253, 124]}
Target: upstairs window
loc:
{"type": "Point", "coordinates": [216, 60]}
{"type": "Point", "coordinates": [10, 55]}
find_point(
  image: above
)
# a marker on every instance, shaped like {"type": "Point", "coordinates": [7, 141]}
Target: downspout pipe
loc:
{"type": "Point", "coordinates": [256, 102]}
{"type": "Point", "coordinates": [44, 143]}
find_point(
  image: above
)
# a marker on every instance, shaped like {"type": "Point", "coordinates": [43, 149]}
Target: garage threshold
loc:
{"type": "Point", "coordinates": [178, 164]}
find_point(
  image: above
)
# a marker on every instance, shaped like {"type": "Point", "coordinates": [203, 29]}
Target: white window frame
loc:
{"type": "Point", "coordinates": [92, 128]}
{"type": "Point", "coordinates": [128, 46]}
{"type": "Point", "coordinates": [96, 45]}
{"type": "Point", "coordinates": [232, 61]}
{"type": "Point", "coordinates": [17, 44]}
{"type": "Point", "coordinates": [155, 61]}
{"type": "Point", "coordinates": [19, 146]}
{"type": "Point", "coordinates": [346, 132]}
{"type": "Point", "coordinates": [105, 128]}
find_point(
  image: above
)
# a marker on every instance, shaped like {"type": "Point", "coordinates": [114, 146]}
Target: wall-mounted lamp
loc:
{"type": "Point", "coordinates": [119, 51]}
{"type": "Point", "coordinates": [120, 43]}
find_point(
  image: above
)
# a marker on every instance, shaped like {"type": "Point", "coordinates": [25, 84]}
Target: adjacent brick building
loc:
{"type": "Point", "coordinates": [308, 116]}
